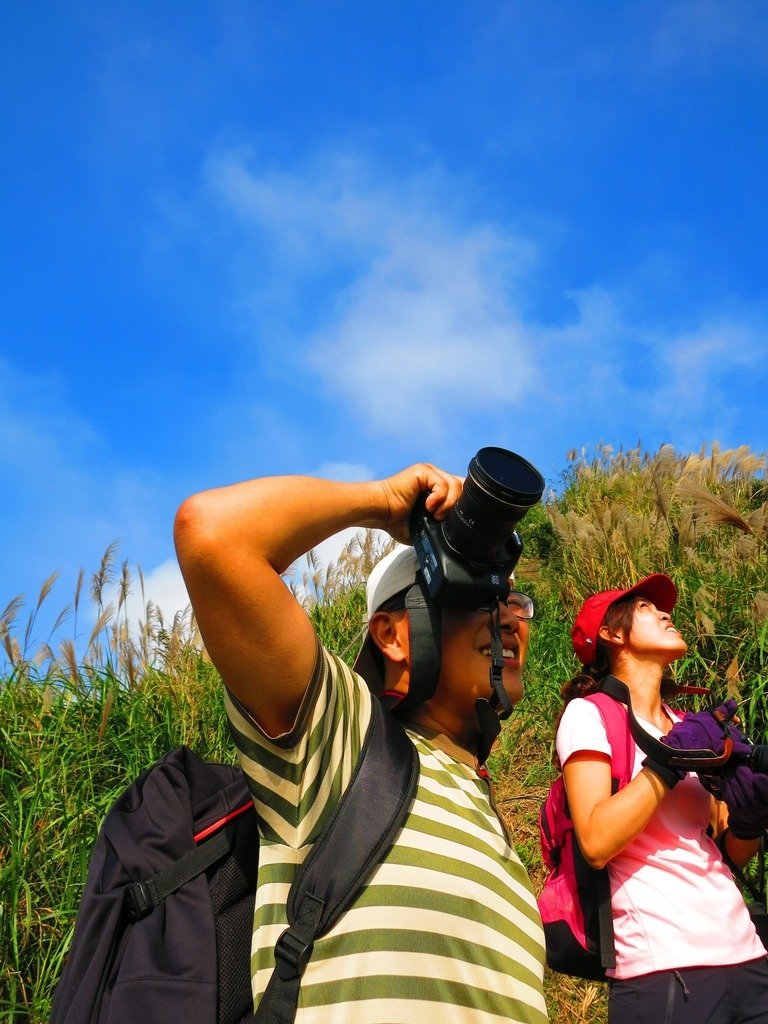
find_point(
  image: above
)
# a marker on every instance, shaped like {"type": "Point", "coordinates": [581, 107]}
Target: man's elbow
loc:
{"type": "Point", "coordinates": [195, 529]}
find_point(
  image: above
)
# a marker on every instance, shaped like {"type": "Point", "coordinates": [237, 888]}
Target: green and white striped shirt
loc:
{"type": "Point", "coordinates": [447, 928]}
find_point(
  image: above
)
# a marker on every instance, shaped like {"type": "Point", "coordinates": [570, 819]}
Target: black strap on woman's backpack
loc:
{"type": "Point", "coordinates": [687, 760]}
{"type": "Point", "coordinates": [753, 890]}
{"type": "Point", "coordinates": [164, 926]}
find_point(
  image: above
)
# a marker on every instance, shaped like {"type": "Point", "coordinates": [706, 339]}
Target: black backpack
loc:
{"type": "Point", "coordinates": [164, 927]}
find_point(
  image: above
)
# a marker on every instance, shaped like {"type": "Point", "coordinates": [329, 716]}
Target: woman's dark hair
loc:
{"type": "Point", "coordinates": [619, 616]}
{"type": "Point", "coordinates": [590, 679]}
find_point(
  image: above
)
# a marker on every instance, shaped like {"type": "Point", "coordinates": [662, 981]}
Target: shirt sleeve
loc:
{"type": "Point", "coordinates": [297, 780]}
{"type": "Point", "coordinates": [581, 728]}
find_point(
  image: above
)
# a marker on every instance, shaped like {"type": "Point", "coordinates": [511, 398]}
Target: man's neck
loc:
{"type": "Point", "coordinates": [454, 735]}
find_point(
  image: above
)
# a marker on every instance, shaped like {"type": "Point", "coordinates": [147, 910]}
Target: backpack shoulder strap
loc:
{"type": "Point", "coordinates": [368, 816]}
{"type": "Point", "coordinates": [614, 715]}
{"type": "Point", "coordinates": [615, 719]}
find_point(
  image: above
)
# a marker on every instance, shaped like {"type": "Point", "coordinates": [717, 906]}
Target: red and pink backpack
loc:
{"type": "Point", "coordinates": [575, 903]}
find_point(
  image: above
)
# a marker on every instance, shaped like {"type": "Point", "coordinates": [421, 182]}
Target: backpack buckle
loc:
{"type": "Point", "coordinates": [137, 901]}
{"type": "Point", "coordinates": [291, 955]}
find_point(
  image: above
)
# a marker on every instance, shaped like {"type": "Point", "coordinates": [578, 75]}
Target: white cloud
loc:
{"type": "Point", "coordinates": [423, 336]}
{"type": "Point", "coordinates": [608, 376]}
{"type": "Point", "coordinates": [164, 586]}
{"type": "Point", "coordinates": [424, 327]}
{"type": "Point", "coordinates": [699, 371]}
{"type": "Point", "coordinates": [421, 332]}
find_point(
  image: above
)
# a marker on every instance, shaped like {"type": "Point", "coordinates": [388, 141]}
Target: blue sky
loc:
{"type": "Point", "coordinates": [336, 238]}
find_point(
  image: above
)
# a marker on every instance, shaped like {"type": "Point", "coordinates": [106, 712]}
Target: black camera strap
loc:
{"type": "Point", "coordinates": [500, 698]}
{"type": "Point", "coordinates": [425, 633]}
{"type": "Point", "coordinates": [424, 625]}
{"type": "Point", "coordinates": [687, 760]}
{"type": "Point", "coordinates": [491, 713]}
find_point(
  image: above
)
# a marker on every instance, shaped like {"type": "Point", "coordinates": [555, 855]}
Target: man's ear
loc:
{"type": "Point", "coordinates": [389, 631]}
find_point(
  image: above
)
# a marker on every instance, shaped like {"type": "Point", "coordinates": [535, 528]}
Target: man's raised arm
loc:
{"type": "Point", "coordinates": [233, 544]}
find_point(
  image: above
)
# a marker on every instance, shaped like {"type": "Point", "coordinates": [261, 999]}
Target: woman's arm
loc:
{"type": "Point", "coordinates": [737, 851]}
{"type": "Point", "coordinates": [604, 823]}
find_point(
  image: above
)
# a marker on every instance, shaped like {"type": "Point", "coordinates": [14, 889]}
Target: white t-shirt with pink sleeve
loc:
{"type": "Point", "coordinates": [674, 901]}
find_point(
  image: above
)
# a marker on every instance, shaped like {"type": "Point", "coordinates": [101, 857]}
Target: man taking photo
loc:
{"type": "Point", "coordinates": [447, 928]}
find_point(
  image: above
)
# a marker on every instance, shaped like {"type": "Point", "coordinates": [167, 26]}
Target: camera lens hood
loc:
{"type": "Point", "coordinates": [507, 477]}
{"type": "Point", "coordinates": [499, 489]}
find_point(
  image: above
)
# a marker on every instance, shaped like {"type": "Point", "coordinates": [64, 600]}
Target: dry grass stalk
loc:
{"type": "Point", "coordinates": [760, 607]}
{"type": "Point", "coordinates": [68, 659]}
{"type": "Point", "coordinates": [10, 612]}
{"type": "Point", "coordinates": [105, 714]}
{"type": "Point", "coordinates": [78, 589]}
{"type": "Point", "coordinates": [733, 466]}
{"type": "Point", "coordinates": [733, 678]}
{"type": "Point", "coordinates": [124, 586]}
{"type": "Point", "coordinates": [104, 575]}
{"type": "Point", "coordinates": [102, 621]}
{"type": "Point", "coordinates": [710, 510]}
{"type": "Point", "coordinates": [42, 655]}
{"type": "Point", "coordinates": [629, 513]}
{"type": "Point", "coordinates": [61, 618]}
{"type": "Point", "coordinates": [325, 585]}
{"type": "Point", "coordinates": [12, 650]}
{"type": "Point", "coordinates": [758, 521]}
{"type": "Point", "coordinates": [46, 589]}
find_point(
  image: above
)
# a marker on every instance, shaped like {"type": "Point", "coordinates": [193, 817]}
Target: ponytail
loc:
{"type": "Point", "coordinates": [589, 680]}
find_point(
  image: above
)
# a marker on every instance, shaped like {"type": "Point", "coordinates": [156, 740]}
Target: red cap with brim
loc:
{"type": "Point", "coordinates": [657, 588]}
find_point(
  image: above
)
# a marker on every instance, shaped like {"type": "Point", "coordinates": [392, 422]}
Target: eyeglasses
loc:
{"type": "Point", "coordinates": [520, 604]}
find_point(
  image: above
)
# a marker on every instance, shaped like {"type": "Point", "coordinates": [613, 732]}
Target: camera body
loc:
{"type": "Point", "coordinates": [454, 581]}
{"type": "Point", "coordinates": [466, 560]}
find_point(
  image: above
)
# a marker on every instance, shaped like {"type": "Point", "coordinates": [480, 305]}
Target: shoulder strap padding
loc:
{"type": "Point", "coordinates": [362, 829]}
{"type": "Point", "coordinates": [615, 720]}
{"type": "Point", "coordinates": [614, 714]}
{"type": "Point", "coordinates": [425, 639]}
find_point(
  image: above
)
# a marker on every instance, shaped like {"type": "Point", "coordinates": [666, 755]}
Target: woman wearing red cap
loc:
{"type": "Point", "coordinates": [686, 948]}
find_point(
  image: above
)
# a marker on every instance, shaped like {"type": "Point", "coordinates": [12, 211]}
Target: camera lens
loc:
{"type": "Point", "coordinates": [499, 489]}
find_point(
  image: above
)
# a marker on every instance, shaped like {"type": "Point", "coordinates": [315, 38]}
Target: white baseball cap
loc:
{"type": "Point", "coordinates": [394, 573]}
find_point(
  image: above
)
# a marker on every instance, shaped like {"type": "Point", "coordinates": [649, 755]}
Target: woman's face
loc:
{"type": "Point", "coordinates": [653, 632]}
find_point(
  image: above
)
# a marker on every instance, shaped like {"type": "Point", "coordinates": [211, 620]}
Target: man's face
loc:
{"type": "Point", "coordinates": [466, 661]}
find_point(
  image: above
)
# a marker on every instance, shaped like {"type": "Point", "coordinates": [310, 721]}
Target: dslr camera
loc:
{"type": "Point", "coordinates": [467, 559]}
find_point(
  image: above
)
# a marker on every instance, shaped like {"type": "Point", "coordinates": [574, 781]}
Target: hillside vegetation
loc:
{"type": "Point", "coordinates": [75, 730]}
